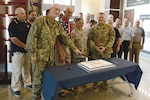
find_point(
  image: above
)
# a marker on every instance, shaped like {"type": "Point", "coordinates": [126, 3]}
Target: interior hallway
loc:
{"type": "Point", "coordinates": [119, 92]}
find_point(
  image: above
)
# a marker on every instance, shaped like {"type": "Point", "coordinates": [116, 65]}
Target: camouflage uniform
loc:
{"type": "Point", "coordinates": [101, 35]}
{"type": "Point", "coordinates": [41, 41]}
{"type": "Point", "coordinates": [80, 40]}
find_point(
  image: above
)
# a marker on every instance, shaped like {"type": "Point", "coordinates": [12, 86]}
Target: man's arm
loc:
{"type": "Point", "coordinates": [68, 41]}
{"type": "Point", "coordinates": [143, 38]}
{"type": "Point", "coordinates": [111, 39]}
{"type": "Point", "coordinates": [18, 42]}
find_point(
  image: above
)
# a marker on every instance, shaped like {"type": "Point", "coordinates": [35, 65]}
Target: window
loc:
{"type": "Point", "coordinates": [73, 3]}
{"type": "Point", "coordinates": [47, 1]}
{"type": "Point", "coordinates": [63, 2]}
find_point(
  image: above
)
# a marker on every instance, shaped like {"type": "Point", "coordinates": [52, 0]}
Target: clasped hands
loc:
{"type": "Point", "coordinates": [100, 49]}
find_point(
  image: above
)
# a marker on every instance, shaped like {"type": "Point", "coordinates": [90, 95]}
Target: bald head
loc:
{"type": "Point", "coordinates": [110, 16]}
{"type": "Point", "coordinates": [88, 17]}
{"type": "Point", "coordinates": [126, 22]}
{"type": "Point", "coordinates": [137, 23]}
{"type": "Point", "coordinates": [20, 14]}
{"type": "Point", "coordinates": [110, 21]}
{"type": "Point", "coordinates": [68, 11]}
{"type": "Point", "coordinates": [54, 11]}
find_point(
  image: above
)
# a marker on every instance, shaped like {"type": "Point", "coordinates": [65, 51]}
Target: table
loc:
{"type": "Point", "coordinates": [56, 78]}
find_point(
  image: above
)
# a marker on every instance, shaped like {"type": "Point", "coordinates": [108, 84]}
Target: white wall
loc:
{"type": "Point", "coordinates": [84, 6]}
{"type": "Point", "coordinates": [138, 10]}
{"type": "Point", "coordinates": [142, 10]}
{"type": "Point", "coordinates": [89, 6]}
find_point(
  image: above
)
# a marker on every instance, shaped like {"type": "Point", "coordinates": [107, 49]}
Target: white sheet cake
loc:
{"type": "Point", "coordinates": [94, 65]}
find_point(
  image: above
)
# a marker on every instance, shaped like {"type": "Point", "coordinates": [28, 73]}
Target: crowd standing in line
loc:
{"type": "Point", "coordinates": [96, 40]}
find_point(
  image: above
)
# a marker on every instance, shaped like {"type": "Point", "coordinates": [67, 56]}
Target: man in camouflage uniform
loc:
{"type": "Point", "coordinates": [41, 42]}
{"type": "Point", "coordinates": [101, 40]}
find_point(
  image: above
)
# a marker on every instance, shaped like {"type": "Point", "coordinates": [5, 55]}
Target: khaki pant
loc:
{"type": "Point", "coordinates": [135, 51]}
{"type": "Point", "coordinates": [20, 68]}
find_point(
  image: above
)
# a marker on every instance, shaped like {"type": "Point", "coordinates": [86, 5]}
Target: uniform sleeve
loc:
{"type": "Point", "coordinates": [111, 39]}
{"type": "Point", "coordinates": [12, 29]}
{"type": "Point", "coordinates": [90, 41]}
{"type": "Point", "coordinates": [66, 39]}
{"type": "Point", "coordinates": [73, 36]}
{"type": "Point", "coordinates": [32, 38]}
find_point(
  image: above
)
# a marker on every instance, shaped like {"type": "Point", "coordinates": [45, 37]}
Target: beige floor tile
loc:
{"type": "Point", "coordinates": [119, 92]}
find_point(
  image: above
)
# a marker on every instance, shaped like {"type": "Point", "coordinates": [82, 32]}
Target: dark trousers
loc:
{"type": "Point", "coordinates": [134, 52]}
{"type": "Point", "coordinates": [119, 54]}
{"type": "Point", "coordinates": [125, 50]}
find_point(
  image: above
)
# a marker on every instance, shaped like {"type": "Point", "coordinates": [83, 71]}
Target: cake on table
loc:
{"type": "Point", "coordinates": [95, 65]}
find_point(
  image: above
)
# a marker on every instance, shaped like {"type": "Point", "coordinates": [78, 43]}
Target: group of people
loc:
{"type": "Point", "coordinates": [129, 41]}
{"type": "Point", "coordinates": [47, 42]}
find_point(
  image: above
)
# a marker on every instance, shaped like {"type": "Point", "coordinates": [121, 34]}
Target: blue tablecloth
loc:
{"type": "Point", "coordinates": [56, 78]}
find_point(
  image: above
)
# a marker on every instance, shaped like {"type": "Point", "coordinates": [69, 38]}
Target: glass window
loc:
{"type": "Point", "coordinates": [47, 1]}
{"type": "Point", "coordinates": [63, 2]}
{"type": "Point", "coordinates": [147, 35]}
{"type": "Point", "coordinates": [73, 3]}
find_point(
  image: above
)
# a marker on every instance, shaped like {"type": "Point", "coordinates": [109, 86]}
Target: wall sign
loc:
{"type": "Point", "coordinates": [136, 2]}
{"type": "Point", "coordinates": [144, 17]}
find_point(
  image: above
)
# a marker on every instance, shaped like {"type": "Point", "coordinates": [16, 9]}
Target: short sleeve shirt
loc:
{"type": "Point", "coordinates": [20, 31]}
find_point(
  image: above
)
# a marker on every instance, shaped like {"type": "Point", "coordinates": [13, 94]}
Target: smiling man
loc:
{"type": "Point", "coordinates": [101, 40]}
{"type": "Point", "coordinates": [41, 43]}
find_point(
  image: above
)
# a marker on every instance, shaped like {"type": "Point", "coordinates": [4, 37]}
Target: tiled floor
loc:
{"type": "Point", "coordinates": [119, 92]}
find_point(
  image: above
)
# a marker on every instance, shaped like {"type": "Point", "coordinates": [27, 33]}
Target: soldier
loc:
{"type": "Point", "coordinates": [101, 40]}
{"type": "Point", "coordinates": [41, 42]}
{"type": "Point", "coordinates": [79, 37]}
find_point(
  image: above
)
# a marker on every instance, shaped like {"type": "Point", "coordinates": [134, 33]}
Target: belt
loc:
{"type": "Point", "coordinates": [136, 42]}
